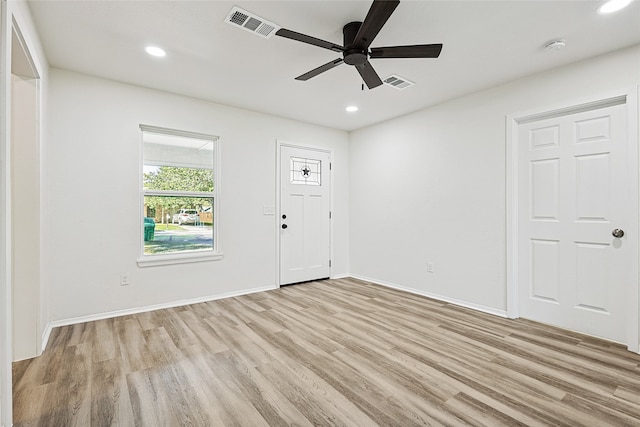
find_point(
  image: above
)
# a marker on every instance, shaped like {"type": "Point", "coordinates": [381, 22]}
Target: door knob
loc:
{"type": "Point", "coordinates": [617, 233]}
{"type": "Point", "coordinates": [284, 226]}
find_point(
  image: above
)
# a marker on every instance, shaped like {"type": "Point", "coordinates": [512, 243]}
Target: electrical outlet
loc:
{"type": "Point", "coordinates": [429, 267]}
{"type": "Point", "coordinates": [124, 279]}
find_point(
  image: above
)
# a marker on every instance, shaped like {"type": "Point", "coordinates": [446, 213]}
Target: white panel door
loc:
{"type": "Point", "coordinates": [573, 192]}
{"type": "Point", "coordinates": [305, 183]}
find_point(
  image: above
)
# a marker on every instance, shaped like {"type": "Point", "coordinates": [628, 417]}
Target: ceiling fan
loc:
{"type": "Point", "coordinates": [357, 37]}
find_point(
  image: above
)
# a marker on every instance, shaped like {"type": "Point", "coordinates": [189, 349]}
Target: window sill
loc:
{"type": "Point", "coordinates": [185, 258]}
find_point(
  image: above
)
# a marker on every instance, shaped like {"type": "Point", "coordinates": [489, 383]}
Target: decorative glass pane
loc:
{"type": "Point", "coordinates": [305, 171]}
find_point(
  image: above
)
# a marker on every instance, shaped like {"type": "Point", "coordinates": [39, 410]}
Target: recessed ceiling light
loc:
{"type": "Point", "coordinates": [155, 51]}
{"type": "Point", "coordinates": [351, 109]}
{"type": "Point", "coordinates": [613, 6]}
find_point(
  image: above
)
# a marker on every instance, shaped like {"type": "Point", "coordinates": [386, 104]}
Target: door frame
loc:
{"type": "Point", "coordinates": [14, 18]}
{"type": "Point", "coordinates": [629, 98]}
{"type": "Point", "coordinates": [283, 143]}
{"type": "Point", "coordinates": [6, 352]}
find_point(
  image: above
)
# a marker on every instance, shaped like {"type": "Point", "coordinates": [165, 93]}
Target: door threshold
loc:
{"type": "Point", "coordinates": [305, 281]}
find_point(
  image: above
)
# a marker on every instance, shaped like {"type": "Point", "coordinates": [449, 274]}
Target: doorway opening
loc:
{"type": "Point", "coordinates": [25, 201]}
{"type": "Point", "coordinates": [20, 202]}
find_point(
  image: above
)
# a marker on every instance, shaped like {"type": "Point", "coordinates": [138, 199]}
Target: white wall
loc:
{"type": "Point", "coordinates": [92, 203]}
{"type": "Point", "coordinates": [430, 186]}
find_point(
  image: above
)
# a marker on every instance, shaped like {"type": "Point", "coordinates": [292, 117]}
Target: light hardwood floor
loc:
{"type": "Point", "coordinates": [336, 352]}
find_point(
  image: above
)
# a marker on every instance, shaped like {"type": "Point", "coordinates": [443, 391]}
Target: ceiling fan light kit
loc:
{"type": "Point", "coordinates": [357, 37]}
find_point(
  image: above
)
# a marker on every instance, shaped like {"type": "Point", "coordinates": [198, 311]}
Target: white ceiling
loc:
{"type": "Point", "coordinates": [485, 43]}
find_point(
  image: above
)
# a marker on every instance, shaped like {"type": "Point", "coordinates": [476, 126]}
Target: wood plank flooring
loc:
{"type": "Point", "coordinates": [335, 352]}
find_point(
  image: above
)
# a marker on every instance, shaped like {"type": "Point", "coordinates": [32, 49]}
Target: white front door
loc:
{"type": "Point", "coordinates": [573, 192]}
{"type": "Point", "coordinates": [305, 182]}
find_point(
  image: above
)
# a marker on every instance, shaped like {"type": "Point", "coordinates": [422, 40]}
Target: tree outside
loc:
{"type": "Point", "coordinates": [178, 179]}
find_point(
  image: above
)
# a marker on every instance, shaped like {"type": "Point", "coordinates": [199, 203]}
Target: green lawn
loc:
{"type": "Point", "coordinates": [160, 227]}
{"type": "Point", "coordinates": [175, 226]}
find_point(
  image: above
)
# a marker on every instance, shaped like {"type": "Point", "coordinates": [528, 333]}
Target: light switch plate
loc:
{"type": "Point", "coordinates": [268, 210]}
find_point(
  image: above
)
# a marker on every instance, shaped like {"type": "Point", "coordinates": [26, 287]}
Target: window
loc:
{"type": "Point", "coordinates": [179, 184]}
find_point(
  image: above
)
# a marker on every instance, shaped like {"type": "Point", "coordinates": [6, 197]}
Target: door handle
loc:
{"type": "Point", "coordinates": [284, 226]}
{"type": "Point", "coordinates": [617, 233]}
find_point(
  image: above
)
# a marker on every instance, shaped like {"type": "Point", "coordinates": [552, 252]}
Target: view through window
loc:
{"type": "Point", "coordinates": [178, 189]}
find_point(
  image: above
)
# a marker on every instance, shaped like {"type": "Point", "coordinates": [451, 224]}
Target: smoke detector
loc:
{"type": "Point", "coordinates": [555, 45]}
{"type": "Point", "coordinates": [249, 22]}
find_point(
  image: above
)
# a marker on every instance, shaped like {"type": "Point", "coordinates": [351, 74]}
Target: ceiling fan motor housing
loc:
{"type": "Point", "coordinates": [353, 55]}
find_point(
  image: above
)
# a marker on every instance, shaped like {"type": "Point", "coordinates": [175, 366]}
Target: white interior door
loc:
{"type": "Point", "coordinates": [574, 191]}
{"type": "Point", "coordinates": [305, 182]}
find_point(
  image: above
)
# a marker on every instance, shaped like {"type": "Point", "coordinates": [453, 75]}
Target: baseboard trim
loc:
{"type": "Point", "coordinates": [179, 303]}
{"type": "Point", "coordinates": [45, 336]}
{"type": "Point", "coordinates": [144, 309]}
{"type": "Point", "coordinates": [461, 303]}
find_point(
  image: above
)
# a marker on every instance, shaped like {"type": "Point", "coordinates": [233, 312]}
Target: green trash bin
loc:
{"type": "Point", "coordinates": [149, 229]}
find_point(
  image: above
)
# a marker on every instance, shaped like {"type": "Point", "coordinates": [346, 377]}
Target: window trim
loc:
{"type": "Point", "coordinates": [186, 256]}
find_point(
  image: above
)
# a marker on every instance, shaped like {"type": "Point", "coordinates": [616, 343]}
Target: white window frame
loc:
{"type": "Point", "coordinates": [182, 257]}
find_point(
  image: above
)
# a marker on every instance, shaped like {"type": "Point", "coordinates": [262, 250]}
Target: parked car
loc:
{"type": "Point", "coordinates": [186, 216]}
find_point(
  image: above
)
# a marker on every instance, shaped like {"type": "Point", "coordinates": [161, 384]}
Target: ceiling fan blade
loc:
{"type": "Point", "coordinates": [369, 75]}
{"type": "Point", "coordinates": [320, 69]}
{"type": "Point", "coordinates": [283, 32]}
{"type": "Point", "coordinates": [415, 51]}
{"type": "Point", "coordinates": [378, 14]}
